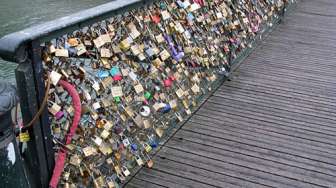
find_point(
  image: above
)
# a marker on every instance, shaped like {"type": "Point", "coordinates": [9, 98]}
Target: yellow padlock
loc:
{"type": "Point", "coordinates": [24, 136]}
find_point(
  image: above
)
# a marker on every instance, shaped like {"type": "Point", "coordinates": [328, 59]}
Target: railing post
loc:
{"type": "Point", "coordinates": [39, 154]}
{"type": "Point", "coordinates": [11, 166]}
{"type": "Point", "coordinates": [40, 90]}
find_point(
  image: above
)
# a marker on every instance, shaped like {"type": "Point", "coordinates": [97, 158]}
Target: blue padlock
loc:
{"type": "Point", "coordinates": [153, 143]}
{"type": "Point", "coordinates": [190, 17]}
{"type": "Point", "coordinates": [102, 74]}
{"type": "Point", "coordinates": [134, 147]}
{"type": "Point", "coordinates": [115, 71]}
{"type": "Point", "coordinates": [166, 109]}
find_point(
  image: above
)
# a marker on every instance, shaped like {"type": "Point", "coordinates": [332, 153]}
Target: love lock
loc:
{"type": "Point", "coordinates": [145, 111]}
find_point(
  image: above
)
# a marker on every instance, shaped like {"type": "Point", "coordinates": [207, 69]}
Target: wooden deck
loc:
{"type": "Point", "coordinates": [273, 125]}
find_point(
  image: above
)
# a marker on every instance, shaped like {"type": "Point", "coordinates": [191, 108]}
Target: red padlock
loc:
{"type": "Point", "coordinates": [172, 78]}
{"type": "Point", "coordinates": [167, 82]}
{"type": "Point", "coordinates": [156, 19]}
{"type": "Point", "coordinates": [117, 77]}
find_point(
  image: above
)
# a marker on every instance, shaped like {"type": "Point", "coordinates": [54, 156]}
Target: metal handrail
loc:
{"type": "Point", "coordinates": [13, 47]}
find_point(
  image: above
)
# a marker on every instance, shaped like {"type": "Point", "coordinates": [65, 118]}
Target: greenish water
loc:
{"type": "Point", "coordinates": [18, 14]}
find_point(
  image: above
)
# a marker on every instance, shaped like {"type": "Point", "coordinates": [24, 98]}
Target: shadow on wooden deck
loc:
{"type": "Point", "coordinates": [273, 125]}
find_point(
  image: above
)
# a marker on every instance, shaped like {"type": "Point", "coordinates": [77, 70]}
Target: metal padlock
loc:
{"type": "Point", "coordinates": [139, 160]}
{"type": "Point", "coordinates": [125, 171]}
{"type": "Point", "coordinates": [147, 147]}
{"type": "Point", "coordinates": [125, 141]}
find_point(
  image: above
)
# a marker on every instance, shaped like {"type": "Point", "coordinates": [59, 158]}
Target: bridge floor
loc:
{"type": "Point", "coordinates": [273, 125]}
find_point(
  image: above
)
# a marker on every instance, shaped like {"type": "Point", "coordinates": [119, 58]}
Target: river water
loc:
{"type": "Point", "coordinates": [19, 14]}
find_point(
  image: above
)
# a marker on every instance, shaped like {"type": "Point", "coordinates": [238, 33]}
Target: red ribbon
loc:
{"type": "Point", "coordinates": [59, 166]}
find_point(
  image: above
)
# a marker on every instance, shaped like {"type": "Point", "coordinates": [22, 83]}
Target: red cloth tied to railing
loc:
{"type": "Point", "coordinates": [59, 166]}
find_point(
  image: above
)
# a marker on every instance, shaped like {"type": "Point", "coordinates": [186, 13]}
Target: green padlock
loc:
{"type": "Point", "coordinates": [148, 95]}
{"type": "Point", "coordinates": [117, 99]}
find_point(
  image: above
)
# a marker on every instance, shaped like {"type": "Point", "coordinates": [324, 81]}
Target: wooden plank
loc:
{"type": "Point", "coordinates": [306, 152]}
{"type": "Point", "coordinates": [256, 88]}
{"type": "Point", "coordinates": [269, 141]}
{"type": "Point", "coordinates": [293, 106]}
{"type": "Point", "coordinates": [291, 62]}
{"type": "Point", "coordinates": [248, 177]}
{"type": "Point", "coordinates": [279, 101]}
{"type": "Point", "coordinates": [296, 29]}
{"type": "Point", "coordinates": [250, 162]}
{"type": "Point", "coordinates": [294, 73]}
{"type": "Point", "coordinates": [136, 183]}
{"type": "Point", "coordinates": [276, 144]}
{"type": "Point", "coordinates": [204, 176]}
{"type": "Point", "coordinates": [243, 118]}
{"type": "Point", "coordinates": [274, 42]}
{"type": "Point", "coordinates": [275, 113]}
{"type": "Point", "coordinates": [265, 153]}
{"type": "Point", "coordinates": [288, 57]}
{"type": "Point", "coordinates": [268, 129]}
{"type": "Point", "coordinates": [269, 115]}
{"type": "Point", "coordinates": [314, 145]}
{"type": "Point", "coordinates": [168, 179]}
{"type": "Point", "coordinates": [257, 92]}
{"type": "Point", "coordinates": [294, 70]}
{"type": "Point", "coordinates": [329, 91]}
{"type": "Point", "coordinates": [299, 115]}
{"type": "Point", "coordinates": [306, 93]}
{"type": "Point", "coordinates": [282, 46]}
{"type": "Point", "coordinates": [261, 117]}
{"type": "Point", "coordinates": [303, 35]}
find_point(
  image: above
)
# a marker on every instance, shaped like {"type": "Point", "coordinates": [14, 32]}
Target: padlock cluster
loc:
{"type": "Point", "coordinates": [138, 74]}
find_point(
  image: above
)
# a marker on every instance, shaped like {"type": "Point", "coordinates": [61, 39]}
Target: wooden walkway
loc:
{"type": "Point", "coordinates": [273, 125]}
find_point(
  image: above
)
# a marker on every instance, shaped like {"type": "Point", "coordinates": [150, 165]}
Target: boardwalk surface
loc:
{"type": "Point", "coordinates": [273, 125]}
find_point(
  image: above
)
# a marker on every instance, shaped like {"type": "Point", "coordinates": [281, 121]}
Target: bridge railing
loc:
{"type": "Point", "coordinates": [141, 66]}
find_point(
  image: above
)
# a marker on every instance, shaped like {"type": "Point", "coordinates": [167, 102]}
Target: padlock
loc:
{"type": "Point", "coordinates": [125, 171]}
{"type": "Point", "coordinates": [75, 160]}
{"type": "Point", "coordinates": [62, 53]}
{"type": "Point", "coordinates": [138, 88]}
{"type": "Point", "coordinates": [117, 91]}
{"type": "Point", "coordinates": [88, 151]}
{"type": "Point", "coordinates": [105, 149]}
{"type": "Point", "coordinates": [147, 147]}
{"type": "Point", "coordinates": [81, 49]}
{"type": "Point", "coordinates": [111, 184]}
{"type": "Point", "coordinates": [125, 141]}
{"type": "Point", "coordinates": [54, 109]}
{"type": "Point", "coordinates": [139, 160]}
{"type": "Point", "coordinates": [147, 124]}
{"type": "Point", "coordinates": [66, 176]}
{"type": "Point", "coordinates": [99, 182]}
{"type": "Point", "coordinates": [97, 140]}
{"type": "Point", "coordinates": [159, 131]}
{"type": "Point", "coordinates": [55, 77]}
{"type": "Point", "coordinates": [150, 163]}
{"type": "Point", "coordinates": [104, 134]}
{"type": "Point", "coordinates": [145, 111]}
{"type": "Point", "coordinates": [24, 136]}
